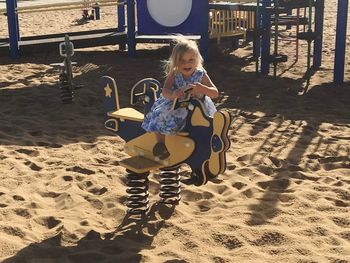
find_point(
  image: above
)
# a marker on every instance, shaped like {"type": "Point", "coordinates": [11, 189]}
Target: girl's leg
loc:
{"type": "Point", "coordinates": [160, 150]}
{"type": "Point", "coordinates": [160, 137]}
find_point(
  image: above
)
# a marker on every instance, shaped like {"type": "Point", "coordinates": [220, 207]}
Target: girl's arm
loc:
{"type": "Point", "coordinates": [167, 90]}
{"type": "Point", "coordinates": [206, 87]}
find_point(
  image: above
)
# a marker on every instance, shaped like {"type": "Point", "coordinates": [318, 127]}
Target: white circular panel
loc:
{"type": "Point", "coordinates": [169, 13]}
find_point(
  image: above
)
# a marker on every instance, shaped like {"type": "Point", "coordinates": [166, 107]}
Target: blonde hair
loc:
{"type": "Point", "coordinates": [182, 45]}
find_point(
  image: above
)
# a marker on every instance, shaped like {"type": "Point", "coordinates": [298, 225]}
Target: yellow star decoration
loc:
{"type": "Point", "coordinates": [108, 91]}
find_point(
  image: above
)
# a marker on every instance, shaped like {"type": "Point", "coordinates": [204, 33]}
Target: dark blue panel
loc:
{"type": "Point", "coordinates": [148, 26]}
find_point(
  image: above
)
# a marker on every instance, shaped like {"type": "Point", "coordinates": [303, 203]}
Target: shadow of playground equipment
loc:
{"type": "Point", "coordinates": [297, 121]}
{"type": "Point", "coordinates": [121, 245]}
{"type": "Point", "coordinates": [31, 111]}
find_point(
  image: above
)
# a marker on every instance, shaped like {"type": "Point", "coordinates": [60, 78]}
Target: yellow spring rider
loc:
{"type": "Point", "coordinates": [202, 145]}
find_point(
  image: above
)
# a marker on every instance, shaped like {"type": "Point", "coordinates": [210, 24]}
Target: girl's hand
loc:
{"type": "Point", "coordinates": [178, 94]}
{"type": "Point", "coordinates": [195, 88]}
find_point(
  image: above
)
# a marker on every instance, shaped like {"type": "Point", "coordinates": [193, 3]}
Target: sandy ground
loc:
{"type": "Point", "coordinates": [21, 3]}
{"type": "Point", "coordinates": [285, 196]}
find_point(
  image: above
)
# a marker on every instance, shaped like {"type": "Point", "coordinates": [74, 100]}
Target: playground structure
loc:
{"type": "Point", "coordinates": [270, 10]}
{"type": "Point", "coordinates": [233, 20]}
{"type": "Point", "coordinates": [142, 26]}
{"type": "Point", "coordinates": [17, 44]}
{"type": "Point", "coordinates": [202, 145]}
{"type": "Point", "coordinates": [155, 21]}
{"type": "Point", "coordinates": [270, 16]}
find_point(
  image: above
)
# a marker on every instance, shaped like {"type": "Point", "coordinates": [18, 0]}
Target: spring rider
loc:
{"type": "Point", "coordinates": [66, 84]}
{"type": "Point", "coordinates": [202, 145]}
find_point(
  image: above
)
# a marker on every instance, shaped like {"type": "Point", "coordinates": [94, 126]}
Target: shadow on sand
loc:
{"type": "Point", "coordinates": [122, 245]}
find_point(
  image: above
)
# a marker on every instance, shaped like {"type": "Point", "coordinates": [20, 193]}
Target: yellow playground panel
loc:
{"type": "Point", "coordinates": [230, 22]}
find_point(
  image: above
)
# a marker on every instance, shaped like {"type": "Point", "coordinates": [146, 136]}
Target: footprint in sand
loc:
{"type": "Point", "coordinates": [341, 222]}
{"type": "Point", "coordinates": [294, 168]}
{"type": "Point", "coordinates": [334, 166]}
{"type": "Point", "coordinates": [249, 193]}
{"type": "Point", "coordinates": [94, 202]}
{"type": "Point", "coordinates": [49, 145]}
{"type": "Point", "coordinates": [192, 196]}
{"type": "Point", "coordinates": [277, 185]}
{"type": "Point", "coordinates": [29, 152]}
{"type": "Point", "coordinates": [228, 241]}
{"type": "Point", "coordinates": [265, 169]}
{"type": "Point", "coordinates": [220, 189]}
{"type": "Point", "coordinates": [203, 208]}
{"type": "Point", "coordinates": [244, 158]}
{"type": "Point", "coordinates": [314, 156]}
{"type": "Point", "coordinates": [337, 202]}
{"type": "Point", "coordinates": [84, 222]}
{"type": "Point", "coordinates": [33, 166]}
{"type": "Point", "coordinates": [81, 170]}
{"type": "Point", "coordinates": [92, 188]}
{"type": "Point", "coordinates": [343, 194]}
{"type": "Point", "coordinates": [239, 185]}
{"type": "Point", "coordinates": [276, 162]}
{"type": "Point", "coordinates": [18, 198]}
{"type": "Point", "coordinates": [88, 146]}
{"type": "Point", "coordinates": [270, 238]}
{"type": "Point", "coordinates": [49, 194]}
{"type": "Point", "coordinates": [231, 166]}
{"type": "Point", "coordinates": [13, 231]}
{"type": "Point", "coordinates": [334, 159]}
{"type": "Point", "coordinates": [346, 236]}
{"type": "Point", "coordinates": [23, 212]}
{"type": "Point", "coordinates": [103, 160]}
{"type": "Point", "coordinates": [47, 221]}
{"type": "Point", "coordinates": [67, 178]}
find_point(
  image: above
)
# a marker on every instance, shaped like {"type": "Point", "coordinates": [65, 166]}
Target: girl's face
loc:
{"type": "Point", "coordinates": [188, 63]}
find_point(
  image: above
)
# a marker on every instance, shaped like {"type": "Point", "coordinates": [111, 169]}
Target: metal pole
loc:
{"type": "Point", "coordinates": [12, 28]}
{"type": "Point", "coordinates": [340, 43]}
{"type": "Point", "coordinates": [297, 39]}
{"type": "Point", "coordinates": [121, 22]}
{"type": "Point", "coordinates": [309, 41]}
{"type": "Point", "coordinates": [257, 36]}
{"type": "Point", "coordinates": [319, 19]}
{"type": "Point", "coordinates": [204, 28]}
{"type": "Point", "coordinates": [275, 52]}
{"type": "Point", "coordinates": [131, 27]}
{"type": "Point", "coordinates": [265, 40]}
{"type": "Point", "coordinates": [97, 11]}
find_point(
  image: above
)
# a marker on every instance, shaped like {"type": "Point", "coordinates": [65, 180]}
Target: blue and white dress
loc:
{"type": "Point", "coordinates": [163, 119]}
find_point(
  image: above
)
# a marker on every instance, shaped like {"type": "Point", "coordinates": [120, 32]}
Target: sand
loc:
{"type": "Point", "coordinates": [285, 196]}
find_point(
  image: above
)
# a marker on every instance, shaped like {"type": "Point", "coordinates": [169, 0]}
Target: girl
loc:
{"type": "Point", "coordinates": [184, 71]}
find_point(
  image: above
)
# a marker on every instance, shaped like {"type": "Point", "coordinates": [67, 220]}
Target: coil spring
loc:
{"type": "Point", "coordinates": [67, 95]}
{"type": "Point", "coordinates": [137, 200]}
{"type": "Point", "coordinates": [169, 192]}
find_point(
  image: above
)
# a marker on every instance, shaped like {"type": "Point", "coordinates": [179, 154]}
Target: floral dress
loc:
{"type": "Point", "coordinates": [163, 119]}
